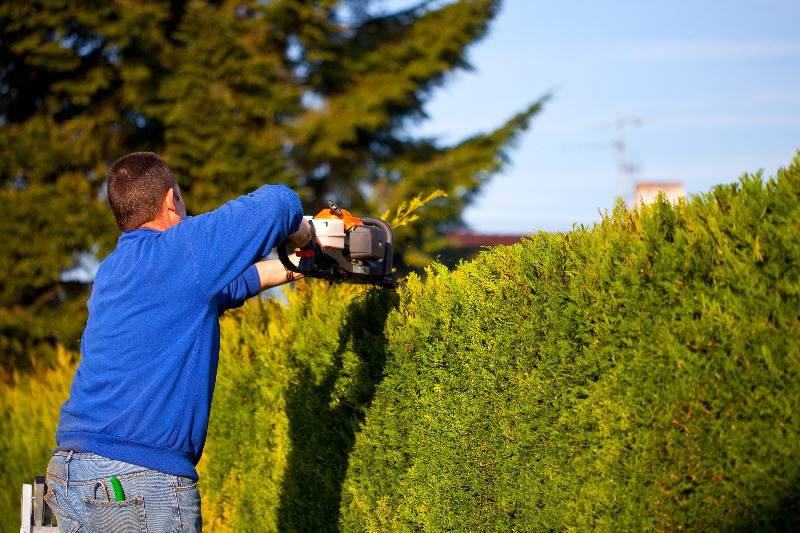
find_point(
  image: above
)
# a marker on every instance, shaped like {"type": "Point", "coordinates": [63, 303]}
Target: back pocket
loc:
{"type": "Point", "coordinates": [119, 517]}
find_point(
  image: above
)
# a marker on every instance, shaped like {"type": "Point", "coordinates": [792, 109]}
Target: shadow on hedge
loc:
{"type": "Point", "coordinates": [325, 411]}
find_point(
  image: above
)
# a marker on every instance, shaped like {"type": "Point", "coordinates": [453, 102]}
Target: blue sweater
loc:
{"type": "Point", "coordinates": [142, 391]}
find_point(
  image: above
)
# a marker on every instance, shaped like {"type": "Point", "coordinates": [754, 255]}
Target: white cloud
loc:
{"type": "Point", "coordinates": [709, 50]}
{"type": "Point", "coordinates": [730, 121]}
{"type": "Point", "coordinates": [774, 97]}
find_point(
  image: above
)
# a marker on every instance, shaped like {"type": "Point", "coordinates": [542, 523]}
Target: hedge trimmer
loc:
{"type": "Point", "coordinates": [344, 248]}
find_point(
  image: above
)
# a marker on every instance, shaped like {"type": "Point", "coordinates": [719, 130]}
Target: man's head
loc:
{"type": "Point", "coordinates": [138, 185]}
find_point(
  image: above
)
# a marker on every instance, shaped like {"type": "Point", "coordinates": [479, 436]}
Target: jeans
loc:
{"type": "Point", "coordinates": [80, 493]}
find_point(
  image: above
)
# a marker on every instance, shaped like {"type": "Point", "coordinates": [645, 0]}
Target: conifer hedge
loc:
{"type": "Point", "coordinates": [29, 408]}
{"type": "Point", "coordinates": [639, 375]}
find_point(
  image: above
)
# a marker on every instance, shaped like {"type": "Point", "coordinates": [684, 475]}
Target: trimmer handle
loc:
{"type": "Point", "coordinates": [388, 251]}
{"type": "Point", "coordinates": [309, 250]}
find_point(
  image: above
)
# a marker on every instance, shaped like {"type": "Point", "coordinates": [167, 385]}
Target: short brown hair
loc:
{"type": "Point", "coordinates": [137, 184]}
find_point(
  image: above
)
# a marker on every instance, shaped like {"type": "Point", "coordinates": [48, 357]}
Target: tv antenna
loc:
{"type": "Point", "coordinates": [620, 145]}
{"type": "Point", "coordinates": [625, 168]}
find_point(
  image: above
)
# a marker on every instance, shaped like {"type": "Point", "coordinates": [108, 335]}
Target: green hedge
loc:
{"type": "Point", "coordinates": [293, 386]}
{"type": "Point", "coordinates": [639, 375]}
{"type": "Point", "coordinates": [29, 408]}
{"type": "Point", "coordinates": [643, 375]}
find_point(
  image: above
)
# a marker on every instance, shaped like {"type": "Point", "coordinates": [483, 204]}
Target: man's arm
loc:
{"type": "Point", "coordinates": [262, 275]}
{"type": "Point", "coordinates": [228, 240]}
{"type": "Point", "coordinates": [272, 273]}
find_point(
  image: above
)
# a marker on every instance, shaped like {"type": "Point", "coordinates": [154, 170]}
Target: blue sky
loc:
{"type": "Point", "coordinates": [715, 86]}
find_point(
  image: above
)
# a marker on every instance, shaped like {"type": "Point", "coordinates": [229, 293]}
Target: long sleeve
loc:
{"type": "Point", "coordinates": [231, 238]}
{"type": "Point", "coordinates": [234, 295]}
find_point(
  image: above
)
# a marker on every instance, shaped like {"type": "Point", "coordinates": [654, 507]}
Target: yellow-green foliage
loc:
{"type": "Point", "coordinates": [28, 418]}
{"type": "Point", "coordinates": [293, 384]}
{"type": "Point", "coordinates": [639, 376]}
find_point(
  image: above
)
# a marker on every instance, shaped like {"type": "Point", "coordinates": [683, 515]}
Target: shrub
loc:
{"type": "Point", "coordinates": [292, 388]}
{"type": "Point", "coordinates": [641, 375]}
{"type": "Point", "coordinates": [29, 409]}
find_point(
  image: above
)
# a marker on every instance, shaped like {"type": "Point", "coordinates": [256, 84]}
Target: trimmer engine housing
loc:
{"type": "Point", "coordinates": [344, 248]}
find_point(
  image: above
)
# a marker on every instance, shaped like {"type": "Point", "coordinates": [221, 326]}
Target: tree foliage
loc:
{"type": "Point", "coordinates": [314, 94]}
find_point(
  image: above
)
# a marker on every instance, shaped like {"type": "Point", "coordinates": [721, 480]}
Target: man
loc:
{"type": "Point", "coordinates": [134, 426]}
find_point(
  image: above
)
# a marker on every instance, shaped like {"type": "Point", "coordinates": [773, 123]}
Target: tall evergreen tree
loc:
{"type": "Point", "coordinates": [314, 94]}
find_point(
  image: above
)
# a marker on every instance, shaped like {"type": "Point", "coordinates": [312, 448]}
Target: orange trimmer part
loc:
{"type": "Point", "coordinates": [348, 219]}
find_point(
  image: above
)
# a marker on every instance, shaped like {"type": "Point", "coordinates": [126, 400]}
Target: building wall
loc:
{"type": "Point", "coordinates": [648, 192]}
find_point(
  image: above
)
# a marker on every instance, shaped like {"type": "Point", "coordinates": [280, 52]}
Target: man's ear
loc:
{"type": "Point", "coordinates": [169, 199]}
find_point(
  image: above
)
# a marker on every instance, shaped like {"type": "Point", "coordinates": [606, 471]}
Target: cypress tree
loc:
{"type": "Point", "coordinates": [314, 94]}
{"type": "Point", "coordinates": [71, 79]}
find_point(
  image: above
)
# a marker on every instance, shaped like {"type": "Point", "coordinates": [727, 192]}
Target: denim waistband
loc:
{"type": "Point", "coordinates": [171, 460]}
{"type": "Point", "coordinates": [77, 468]}
{"type": "Point", "coordinates": [80, 455]}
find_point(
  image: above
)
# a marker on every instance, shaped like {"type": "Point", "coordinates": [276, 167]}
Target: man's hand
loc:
{"type": "Point", "coordinates": [300, 238]}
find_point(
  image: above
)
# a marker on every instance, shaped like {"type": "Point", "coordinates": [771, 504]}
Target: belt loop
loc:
{"type": "Point", "coordinates": [66, 464]}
